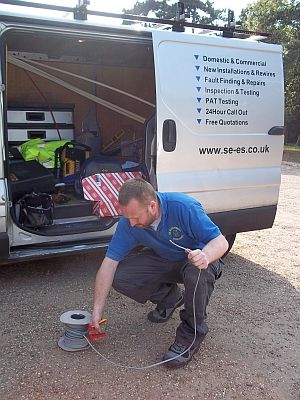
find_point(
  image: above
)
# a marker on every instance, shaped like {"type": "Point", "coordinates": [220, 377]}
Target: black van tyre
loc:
{"type": "Point", "coordinates": [230, 239]}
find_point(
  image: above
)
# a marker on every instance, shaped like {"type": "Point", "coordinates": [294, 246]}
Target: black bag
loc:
{"type": "Point", "coordinates": [95, 165]}
{"type": "Point", "coordinates": [98, 165]}
{"type": "Point", "coordinates": [36, 210]}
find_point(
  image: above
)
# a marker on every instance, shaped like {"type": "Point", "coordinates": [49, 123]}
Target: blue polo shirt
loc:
{"type": "Point", "coordinates": [183, 221]}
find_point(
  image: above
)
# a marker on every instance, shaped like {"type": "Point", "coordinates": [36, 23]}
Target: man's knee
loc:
{"type": "Point", "coordinates": [128, 289]}
{"type": "Point", "coordinates": [208, 275]}
{"type": "Point", "coordinates": [121, 281]}
{"type": "Point", "coordinates": [124, 284]}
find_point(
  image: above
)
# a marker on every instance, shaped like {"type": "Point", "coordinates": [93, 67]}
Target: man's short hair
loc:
{"type": "Point", "coordinates": [137, 189]}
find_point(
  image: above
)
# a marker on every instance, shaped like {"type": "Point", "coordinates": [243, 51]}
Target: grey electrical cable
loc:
{"type": "Point", "coordinates": [160, 362]}
{"type": "Point", "coordinates": [74, 339]}
{"type": "Point", "coordinates": [76, 327]}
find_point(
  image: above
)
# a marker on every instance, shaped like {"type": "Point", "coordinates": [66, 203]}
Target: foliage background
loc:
{"type": "Point", "coordinates": [281, 18]}
{"type": "Point", "coordinates": [200, 11]}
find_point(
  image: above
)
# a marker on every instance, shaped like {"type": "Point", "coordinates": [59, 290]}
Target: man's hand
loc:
{"type": "Point", "coordinates": [198, 258]}
{"type": "Point", "coordinates": [211, 252]}
{"type": "Point", "coordinates": [96, 318]}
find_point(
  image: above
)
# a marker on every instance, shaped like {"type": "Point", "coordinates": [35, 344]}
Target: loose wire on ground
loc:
{"type": "Point", "coordinates": [160, 362]}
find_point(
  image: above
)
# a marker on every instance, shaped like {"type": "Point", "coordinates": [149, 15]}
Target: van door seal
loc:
{"type": "Point", "coordinates": [4, 246]}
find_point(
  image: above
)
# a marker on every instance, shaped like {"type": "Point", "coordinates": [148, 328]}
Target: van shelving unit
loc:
{"type": "Point", "coordinates": [75, 216]}
{"type": "Point", "coordinates": [26, 123]}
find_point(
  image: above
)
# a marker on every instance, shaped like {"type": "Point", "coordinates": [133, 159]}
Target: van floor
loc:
{"type": "Point", "coordinates": [69, 205]}
{"type": "Point", "coordinates": [72, 215]}
{"type": "Point", "coordinates": [75, 227]}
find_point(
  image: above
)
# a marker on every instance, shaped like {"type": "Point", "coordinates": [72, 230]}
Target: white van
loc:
{"type": "Point", "coordinates": [196, 113]}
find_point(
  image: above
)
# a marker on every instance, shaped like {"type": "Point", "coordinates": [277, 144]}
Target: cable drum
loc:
{"type": "Point", "coordinates": [76, 328]}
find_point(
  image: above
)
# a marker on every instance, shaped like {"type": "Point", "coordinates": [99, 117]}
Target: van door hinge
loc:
{"type": "Point", "coordinates": [8, 202]}
{"type": "Point", "coordinates": [2, 87]}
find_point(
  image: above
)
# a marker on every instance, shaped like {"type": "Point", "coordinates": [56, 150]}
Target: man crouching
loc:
{"type": "Point", "coordinates": [179, 239]}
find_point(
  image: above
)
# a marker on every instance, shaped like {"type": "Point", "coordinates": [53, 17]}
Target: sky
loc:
{"type": "Point", "coordinates": [116, 6]}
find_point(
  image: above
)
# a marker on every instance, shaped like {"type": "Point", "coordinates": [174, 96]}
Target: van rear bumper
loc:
{"type": "Point", "coordinates": [249, 219]}
{"type": "Point", "coordinates": [4, 246]}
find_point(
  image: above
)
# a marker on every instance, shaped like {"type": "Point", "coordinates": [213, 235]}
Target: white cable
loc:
{"type": "Point", "coordinates": [161, 362]}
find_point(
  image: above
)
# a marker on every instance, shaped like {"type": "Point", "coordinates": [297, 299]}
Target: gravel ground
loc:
{"type": "Point", "coordinates": [252, 351]}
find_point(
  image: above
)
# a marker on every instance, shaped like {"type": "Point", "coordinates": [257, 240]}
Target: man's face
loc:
{"type": "Point", "coordinates": [140, 215]}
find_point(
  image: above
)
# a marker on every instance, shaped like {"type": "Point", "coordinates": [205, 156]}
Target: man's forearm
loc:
{"type": "Point", "coordinates": [104, 279]}
{"type": "Point", "coordinates": [216, 248]}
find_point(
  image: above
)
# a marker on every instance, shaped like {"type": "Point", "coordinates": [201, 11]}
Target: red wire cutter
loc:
{"type": "Point", "coordinates": [95, 335]}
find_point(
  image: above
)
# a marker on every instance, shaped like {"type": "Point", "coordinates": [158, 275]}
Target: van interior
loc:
{"type": "Point", "coordinates": [76, 105]}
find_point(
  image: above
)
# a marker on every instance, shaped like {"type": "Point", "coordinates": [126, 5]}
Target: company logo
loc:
{"type": "Point", "coordinates": [175, 233]}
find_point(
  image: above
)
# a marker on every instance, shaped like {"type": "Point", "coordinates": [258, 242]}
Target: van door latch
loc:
{"type": "Point", "coordinates": [169, 135]}
{"type": "Point", "coordinates": [2, 87]}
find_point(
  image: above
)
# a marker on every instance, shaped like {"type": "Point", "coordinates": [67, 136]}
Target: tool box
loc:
{"type": "Point", "coordinates": [69, 159]}
{"type": "Point", "coordinates": [30, 176]}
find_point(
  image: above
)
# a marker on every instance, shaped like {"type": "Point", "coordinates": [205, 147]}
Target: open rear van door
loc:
{"type": "Point", "coordinates": [220, 109]}
{"type": "Point", "coordinates": [4, 241]}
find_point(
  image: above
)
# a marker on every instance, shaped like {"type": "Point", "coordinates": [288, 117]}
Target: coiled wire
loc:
{"type": "Point", "coordinates": [75, 338]}
{"type": "Point", "coordinates": [76, 324]}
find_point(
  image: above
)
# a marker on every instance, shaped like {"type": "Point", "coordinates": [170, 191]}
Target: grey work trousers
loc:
{"type": "Point", "coordinates": [146, 276]}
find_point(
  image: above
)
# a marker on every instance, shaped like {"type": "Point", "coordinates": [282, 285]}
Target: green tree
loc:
{"type": "Point", "coordinates": [200, 11]}
{"type": "Point", "coordinates": [281, 18]}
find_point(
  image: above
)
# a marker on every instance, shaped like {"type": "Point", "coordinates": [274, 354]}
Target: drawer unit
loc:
{"type": "Point", "coordinates": [23, 135]}
{"type": "Point", "coordinates": [39, 116]}
{"type": "Point", "coordinates": [26, 123]}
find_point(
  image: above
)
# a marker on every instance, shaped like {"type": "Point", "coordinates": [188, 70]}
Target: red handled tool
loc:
{"type": "Point", "coordinates": [95, 335]}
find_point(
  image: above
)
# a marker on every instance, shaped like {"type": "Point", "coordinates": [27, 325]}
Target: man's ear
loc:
{"type": "Point", "coordinates": [153, 205]}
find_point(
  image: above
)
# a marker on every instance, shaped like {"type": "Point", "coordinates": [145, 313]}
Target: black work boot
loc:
{"type": "Point", "coordinates": [160, 314]}
{"type": "Point", "coordinates": [179, 355]}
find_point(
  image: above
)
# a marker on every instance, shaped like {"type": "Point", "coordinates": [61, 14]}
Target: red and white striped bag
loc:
{"type": "Point", "coordinates": [103, 190]}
